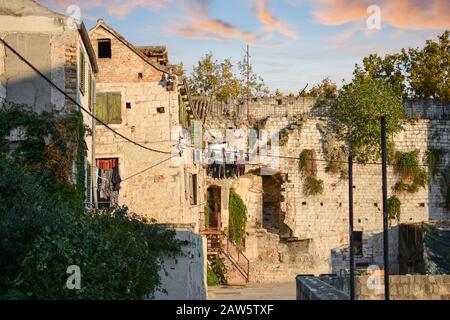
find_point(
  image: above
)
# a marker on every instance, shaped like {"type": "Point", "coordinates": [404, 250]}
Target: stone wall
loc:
{"type": "Point", "coordinates": [408, 287]}
{"type": "Point", "coordinates": [320, 222]}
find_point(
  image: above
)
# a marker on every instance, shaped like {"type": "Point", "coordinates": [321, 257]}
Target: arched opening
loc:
{"type": "Point", "coordinates": [213, 208]}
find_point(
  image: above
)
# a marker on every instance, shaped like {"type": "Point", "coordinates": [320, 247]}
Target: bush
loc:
{"type": "Point", "coordinates": [119, 255]}
{"type": "Point", "coordinates": [212, 278]}
{"type": "Point", "coordinates": [412, 175]}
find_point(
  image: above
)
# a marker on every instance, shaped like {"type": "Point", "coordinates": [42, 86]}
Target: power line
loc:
{"type": "Point", "coordinates": [145, 170]}
{"type": "Point", "coordinates": [77, 104]}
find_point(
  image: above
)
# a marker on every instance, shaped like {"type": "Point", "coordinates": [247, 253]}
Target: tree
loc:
{"type": "Point", "coordinates": [326, 90]}
{"type": "Point", "coordinates": [251, 84]}
{"type": "Point", "coordinates": [205, 77]}
{"type": "Point", "coordinates": [429, 69]}
{"type": "Point", "coordinates": [357, 113]}
{"type": "Point", "coordinates": [412, 73]}
{"type": "Point", "coordinates": [218, 79]}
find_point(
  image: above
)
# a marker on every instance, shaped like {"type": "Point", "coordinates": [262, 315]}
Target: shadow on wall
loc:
{"type": "Point", "coordinates": [22, 85]}
{"type": "Point", "coordinates": [368, 252]}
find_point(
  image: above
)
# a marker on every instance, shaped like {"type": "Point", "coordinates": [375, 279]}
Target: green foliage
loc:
{"type": "Point", "coordinates": [217, 271]}
{"type": "Point", "coordinates": [211, 278]}
{"type": "Point", "coordinates": [308, 166]}
{"type": "Point", "coordinates": [52, 142]}
{"type": "Point", "coordinates": [433, 158]}
{"type": "Point", "coordinates": [307, 162]}
{"type": "Point", "coordinates": [408, 168]}
{"type": "Point", "coordinates": [445, 187]}
{"type": "Point", "coordinates": [312, 186]}
{"type": "Point", "coordinates": [119, 255]}
{"type": "Point", "coordinates": [217, 79]}
{"type": "Point", "coordinates": [394, 205]}
{"type": "Point", "coordinates": [355, 118]}
{"type": "Point", "coordinates": [413, 73]}
{"type": "Point", "coordinates": [238, 217]}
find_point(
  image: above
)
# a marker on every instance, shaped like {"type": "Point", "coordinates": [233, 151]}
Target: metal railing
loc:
{"type": "Point", "coordinates": [236, 257]}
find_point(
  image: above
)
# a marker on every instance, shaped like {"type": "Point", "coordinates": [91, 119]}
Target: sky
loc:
{"type": "Point", "coordinates": [292, 42]}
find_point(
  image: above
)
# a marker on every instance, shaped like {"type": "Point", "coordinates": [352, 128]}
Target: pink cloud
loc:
{"type": "Point", "coordinates": [401, 14]}
{"type": "Point", "coordinates": [272, 24]}
{"type": "Point", "coordinates": [200, 25]}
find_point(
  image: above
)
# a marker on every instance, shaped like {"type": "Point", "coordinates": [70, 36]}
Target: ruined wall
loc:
{"type": "Point", "coordinates": [319, 224]}
{"type": "Point", "coordinates": [152, 184]}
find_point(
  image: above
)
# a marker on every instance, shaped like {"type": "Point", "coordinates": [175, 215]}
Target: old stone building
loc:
{"type": "Point", "coordinates": [139, 96]}
{"type": "Point", "coordinates": [289, 232]}
{"type": "Point", "coordinates": [58, 47]}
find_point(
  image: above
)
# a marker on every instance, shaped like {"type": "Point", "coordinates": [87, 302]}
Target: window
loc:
{"type": "Point", "coordinates": [82, 73]}
{"type": "Point", "coordinates": [160, 110]}
{"type": "Point", "coordinates": [358, 243]}
{"type": "Point", "coordinates": [128, 105]}
{"type": "Point", "coordinates": [193, 188]}
{"type": "Point", "coordinates": [108, 108]}
{"type": "Point", "coordinates": [104, 48]}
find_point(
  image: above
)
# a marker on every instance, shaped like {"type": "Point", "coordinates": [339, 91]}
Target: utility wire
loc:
{"type": "Point", "coordinates": [145, 170]}
{"type": "Point", "coordinates": [77, 104]}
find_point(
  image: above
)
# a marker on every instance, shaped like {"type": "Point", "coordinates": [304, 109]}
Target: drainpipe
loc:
{"type": "Point", "coordinates": [94, 164]}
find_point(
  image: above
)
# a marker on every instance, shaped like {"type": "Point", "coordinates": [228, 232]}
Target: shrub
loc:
{"type": "Point", "coordinates": [212, 278]}
{"type": "Point", "coordinates": [119, 255]}
{"type": "Point", "coordinates": [412, 175]}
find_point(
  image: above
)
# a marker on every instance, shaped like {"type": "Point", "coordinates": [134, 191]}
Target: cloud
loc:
{"type": "Point", "coordinates": [200, 25]}
{"type": "Point", "coordinates": [272, 24]}
{"type": "Point", "coordinates": [401, 14]}
{"type": "Point", "coordinates": [117, 8]}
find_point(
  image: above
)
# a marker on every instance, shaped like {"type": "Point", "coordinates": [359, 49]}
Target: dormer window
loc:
{"type": "Point", "coordinates": [104, 48]}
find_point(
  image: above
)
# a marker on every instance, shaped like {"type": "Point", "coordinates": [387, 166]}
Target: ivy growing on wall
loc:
{"type": "Point", "coordinates": [237, 218]}
{"type": "Point", "coordinates": [433, 158]}
{"type": "Point", "coordinates": [50, 144]}
{"type": "Point", "coordinates": [308, 167]}
{"type": "Point", "coordinates": [412, 176]}
{"type": "Point", "coordinates": [394, 208]}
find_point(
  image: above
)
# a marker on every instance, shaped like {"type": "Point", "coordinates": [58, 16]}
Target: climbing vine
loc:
{"type": "Point", "coordinates": [433, 158]}
{"type": "Point", "coordinates": [48, 144]}
{"type": "Point", "coordinates": [238, 218]}
{"type": "Point", "coordinates": [412, 176]}
{"type": "Point", "coordinates": [394, 208]}
{"type": "Point", "coordinates": [308, 167]}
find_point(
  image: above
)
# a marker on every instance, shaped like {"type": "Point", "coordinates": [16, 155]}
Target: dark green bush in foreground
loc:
{"type": "Point", "coordinates": [119, 255]}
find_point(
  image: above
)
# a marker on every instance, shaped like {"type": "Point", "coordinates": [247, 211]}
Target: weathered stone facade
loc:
{"type": "Point", "coordinates": [312, 237]}
{"type": "Point", "coordinates": [154, 184]}
{"type": "Point", "coordinates": [53, 44]}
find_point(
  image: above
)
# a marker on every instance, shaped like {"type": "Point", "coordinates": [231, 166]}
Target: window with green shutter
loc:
{"type": "Point", "coordinates": [109, 107]}
{"type": "Point", "coordinates": [82, 73]}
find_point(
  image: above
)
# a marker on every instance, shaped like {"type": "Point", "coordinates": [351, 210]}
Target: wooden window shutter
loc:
{"type": "Point", "coordinates": [100, 108]}
{"type": "Point", "coordinates": [90, 90]}
{"type": "Point", "coordinates": [82, 73]}
{"type": "Point", "coordinates": [115, 108]}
